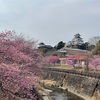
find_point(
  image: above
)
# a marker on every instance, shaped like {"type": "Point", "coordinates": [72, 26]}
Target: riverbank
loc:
{"type": "Point", "coordinates": [52, 87]}
{"type": "Point", "coordinates": [85, 85]}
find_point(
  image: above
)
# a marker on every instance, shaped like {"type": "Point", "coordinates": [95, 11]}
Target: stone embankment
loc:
{"type": "Point", "coordinates": [83, 84]}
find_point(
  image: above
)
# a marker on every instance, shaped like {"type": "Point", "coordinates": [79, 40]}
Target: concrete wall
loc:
{"type": "Point", "coordinates": [85, 85]}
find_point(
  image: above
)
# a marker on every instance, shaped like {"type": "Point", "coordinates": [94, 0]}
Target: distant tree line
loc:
{"type": "Point", "coordinates": [92, 45]}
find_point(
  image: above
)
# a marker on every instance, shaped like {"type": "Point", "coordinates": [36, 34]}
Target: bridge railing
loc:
{"type": "Point", "coordinates": [82, 73]}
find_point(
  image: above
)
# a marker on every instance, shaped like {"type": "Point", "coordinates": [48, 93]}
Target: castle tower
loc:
{"type": "Point", "coordinates": [77, 40]}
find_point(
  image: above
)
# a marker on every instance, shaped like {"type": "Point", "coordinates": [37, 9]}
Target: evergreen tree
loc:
{"type": "Point", "coordinates": [60, 45]}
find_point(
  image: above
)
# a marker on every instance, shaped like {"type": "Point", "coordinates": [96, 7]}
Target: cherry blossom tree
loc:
{"type": "Point", "coordinates": [71, 60]}
{"type": "Point", "coordinates": [94, 63]}
{"type": "Point", "coordinates": [20, 64]}
{"type": "Point", "coordinates": [52, 59]}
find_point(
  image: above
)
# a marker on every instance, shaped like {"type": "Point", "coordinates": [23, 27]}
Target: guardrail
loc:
{"type": "Point", "coordinates": [82, 73]}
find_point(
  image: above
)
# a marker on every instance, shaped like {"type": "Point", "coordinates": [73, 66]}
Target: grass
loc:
{"type": "Point", "coordinates": [49, 82]}
{"type": "Point", "coordinates": [62, 67]}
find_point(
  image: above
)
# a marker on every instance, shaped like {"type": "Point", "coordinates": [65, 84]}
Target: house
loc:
{"type": "Point", "coordinates": [74, 60]}
{"type": "Point", "coordinates": [42, 45]}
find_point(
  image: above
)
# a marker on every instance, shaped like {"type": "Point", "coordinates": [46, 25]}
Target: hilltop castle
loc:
{"type": "Point", "coordinates": [76, 42]}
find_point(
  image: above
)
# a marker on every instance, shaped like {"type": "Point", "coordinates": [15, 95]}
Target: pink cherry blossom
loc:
{"type": "Point", "coordinates": [95, 62]}
{"type": "Point", "coordinates": [20, 64]}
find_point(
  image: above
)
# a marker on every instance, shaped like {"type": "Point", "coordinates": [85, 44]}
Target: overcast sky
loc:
{"type": "Point", "coordinates": [51, 21]}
